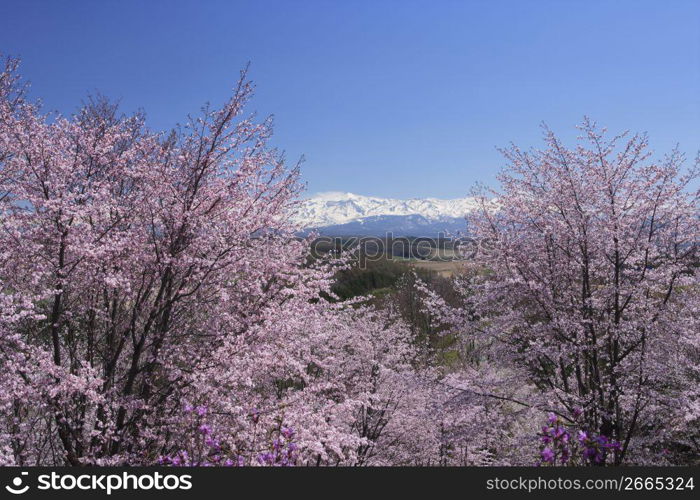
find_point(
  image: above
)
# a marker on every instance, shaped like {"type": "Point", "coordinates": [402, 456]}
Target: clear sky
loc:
{"type": "Point", "coordinates": [387, 98]}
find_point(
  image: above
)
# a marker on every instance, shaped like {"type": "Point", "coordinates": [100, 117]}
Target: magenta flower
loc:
{"type": "Point", "coordinates": [582, 436]}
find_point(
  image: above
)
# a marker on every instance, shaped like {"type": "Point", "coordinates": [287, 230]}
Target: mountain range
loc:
{"type": "Point", "coordinates": [348, 214]}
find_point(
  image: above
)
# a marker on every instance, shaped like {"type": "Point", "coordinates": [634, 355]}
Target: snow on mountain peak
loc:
{"type": "Point", "coordinates": [335, 207]}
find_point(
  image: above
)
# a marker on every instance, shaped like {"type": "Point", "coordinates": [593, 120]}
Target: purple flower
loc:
{"type": "Point", "coordinates": [551, 418]}
{"type": "Point", "coordinates": [201, 410]}
{"type": "Point", "coordinates": [565, 455]}
{"type": "Point", "coordinates": [548, 455]}
{"type": "Point", "coordinates": [267, 458]}
{"type": "Point", "coordinates": [205, 429]}
{"type": "Point", "coordinates": [238, 462]}
{"type": "Point", "coordinates": [287, 432]}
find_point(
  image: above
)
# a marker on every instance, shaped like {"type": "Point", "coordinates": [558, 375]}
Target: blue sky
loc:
{"type": "Point", "coordinates": [386, 98]}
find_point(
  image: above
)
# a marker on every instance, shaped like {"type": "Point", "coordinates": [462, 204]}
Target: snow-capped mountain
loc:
{"type": "Point", "coordinates": [352, 214]}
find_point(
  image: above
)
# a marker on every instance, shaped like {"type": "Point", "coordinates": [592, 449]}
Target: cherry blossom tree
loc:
{"type": "Point", "coordinates": [137, 251]}
{"type": "Point", "coordinates": [591, 281]}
